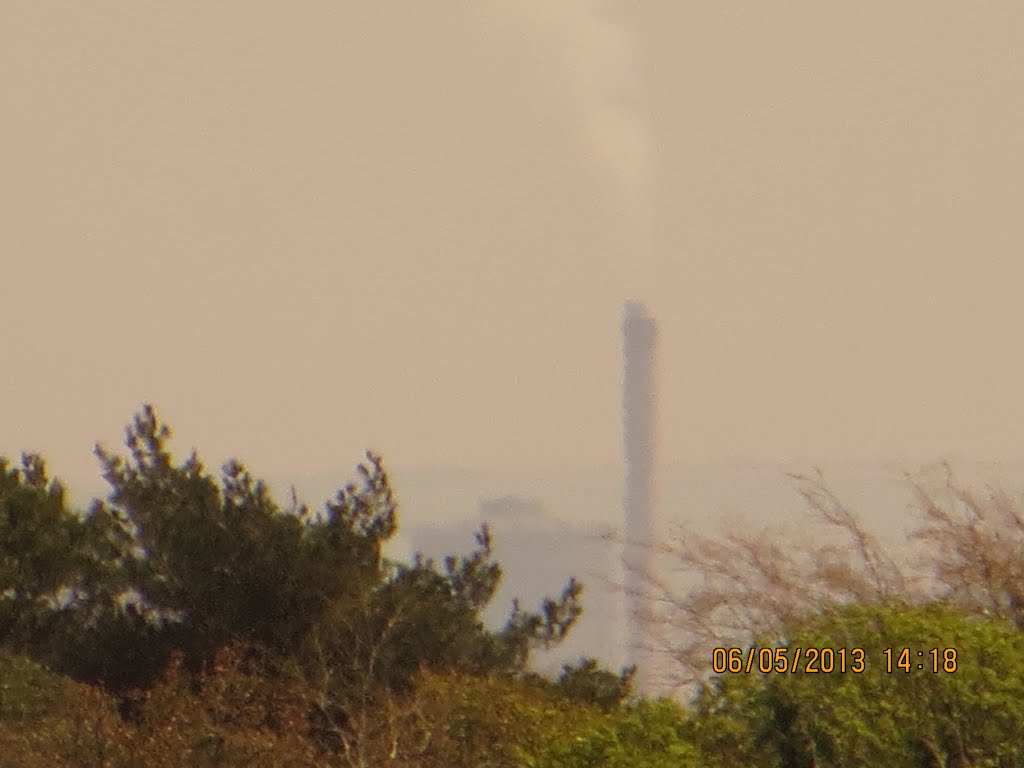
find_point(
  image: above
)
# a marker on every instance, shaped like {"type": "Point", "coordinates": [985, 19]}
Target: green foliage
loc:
{"type": "Point", "coordinates": [647, 734]}
{"type": "Point", "coordinates": [212, 562]}
{"type": "Point", "coordinates": [60, 572]}
{"type": "Point", "coordinates": [38, 553]}
{"type": "Point", "coordinates": [497, 722]}
{"type": "Point", "coordinates": [218, 561]}
{"type": "Point", "coordinates": [231, 716]}
{"type": "Point", "coordinates": [178, 564]}
{"type": "Point", "coordinates": [245, 710]}
{"type": "Point", "coordinates": [223, 630]}
{"type": "Point", "coordinates": [250, 708]}
{"type": "Point", "coordinates": [365, 656]}
{"type": "Point", "coordinates": [915, 719]}
{"type": "Point", "coordinates": [492, 722]}
{"type": "Point", "coordinates": [27, 690]}
{"type": "Point", "coordinates": [587, 682]}
{"type": "Point", "coordinates": [48, 720]}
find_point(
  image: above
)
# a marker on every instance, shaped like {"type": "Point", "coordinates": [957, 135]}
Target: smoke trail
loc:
{"type": "Point", "coordinates": [598, 56]}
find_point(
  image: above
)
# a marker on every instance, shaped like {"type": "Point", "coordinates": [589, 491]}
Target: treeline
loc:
{"type": "Point", "coordinates": [189, 620]}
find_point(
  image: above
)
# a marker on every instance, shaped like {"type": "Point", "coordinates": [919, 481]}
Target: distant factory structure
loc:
{"type": "Point", "coordinates": [639, 334]}
{"type": "Point", "coordinates": [605, 532]}
{"type": "Point", "coordinates": [538, 554]}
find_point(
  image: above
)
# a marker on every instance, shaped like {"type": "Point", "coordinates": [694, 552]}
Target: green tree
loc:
{"type": "Point", "coordinates": [588, 682]}
{"type": "Point", "coordinates": [38, 556]}
{"type": "Point", "coordinates": [489, 722]}
{"type": "Point", "coordinates": [364, 657]}
{"type": "Point", "coordinates": [916, 719]}
{"type": "Point", "coordinates": [176, 559]}
{"type": "Point", "coordinates": [644, 734]}
{"type": "Point", "coordinates": [727, 589]}
{"type": "Point", "coordinates": [211, 562]}
{"type": "Point", "coordinates": [59, 570]}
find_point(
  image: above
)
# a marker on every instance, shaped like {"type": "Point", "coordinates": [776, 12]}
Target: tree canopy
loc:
{"type": "Point", "coordinates": [898, 711]}
{"type": "Point", "coordinates": [190, 619]}
{"type": "Point", "coordinates": [178, 560]}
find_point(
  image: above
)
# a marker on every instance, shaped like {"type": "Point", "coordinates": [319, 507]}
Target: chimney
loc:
{"type": "Point", "coordinates": [638, 408]}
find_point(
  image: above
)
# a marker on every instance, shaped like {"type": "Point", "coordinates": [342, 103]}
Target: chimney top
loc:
{"type": "Point", "coordinates": [636, 309]}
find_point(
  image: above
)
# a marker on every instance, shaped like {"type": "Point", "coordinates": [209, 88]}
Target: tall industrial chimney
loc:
{"type": "Point", "coordinates": [638, 408]}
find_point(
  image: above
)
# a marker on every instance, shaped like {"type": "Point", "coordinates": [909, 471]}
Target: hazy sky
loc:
{"type": "Point", "coordinates": [304, 229]}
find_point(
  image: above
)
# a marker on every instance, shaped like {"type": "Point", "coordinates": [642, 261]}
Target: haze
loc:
{"type": "Point", "coordinates": [303, 230]}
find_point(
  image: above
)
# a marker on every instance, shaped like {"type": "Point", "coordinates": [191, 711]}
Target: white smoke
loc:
{"type": "Point", "coordinates": [597, 55]}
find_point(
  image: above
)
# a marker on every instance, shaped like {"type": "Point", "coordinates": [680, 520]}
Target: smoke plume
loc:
{"type": "Point", "coordinates": [596, 55]}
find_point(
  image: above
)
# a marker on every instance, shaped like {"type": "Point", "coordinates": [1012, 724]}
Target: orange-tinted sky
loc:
{"type": "Point", "coordinates": [302, 229]}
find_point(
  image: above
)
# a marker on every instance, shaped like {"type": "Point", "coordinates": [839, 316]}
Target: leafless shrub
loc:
{"type": "Point", "coordinates": [976, 544]}
{"type": "Point", "coordinates": [727, 590]}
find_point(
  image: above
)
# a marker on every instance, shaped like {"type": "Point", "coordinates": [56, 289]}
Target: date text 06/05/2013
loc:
{"type": "Point", "coordinates": [828, 660]}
